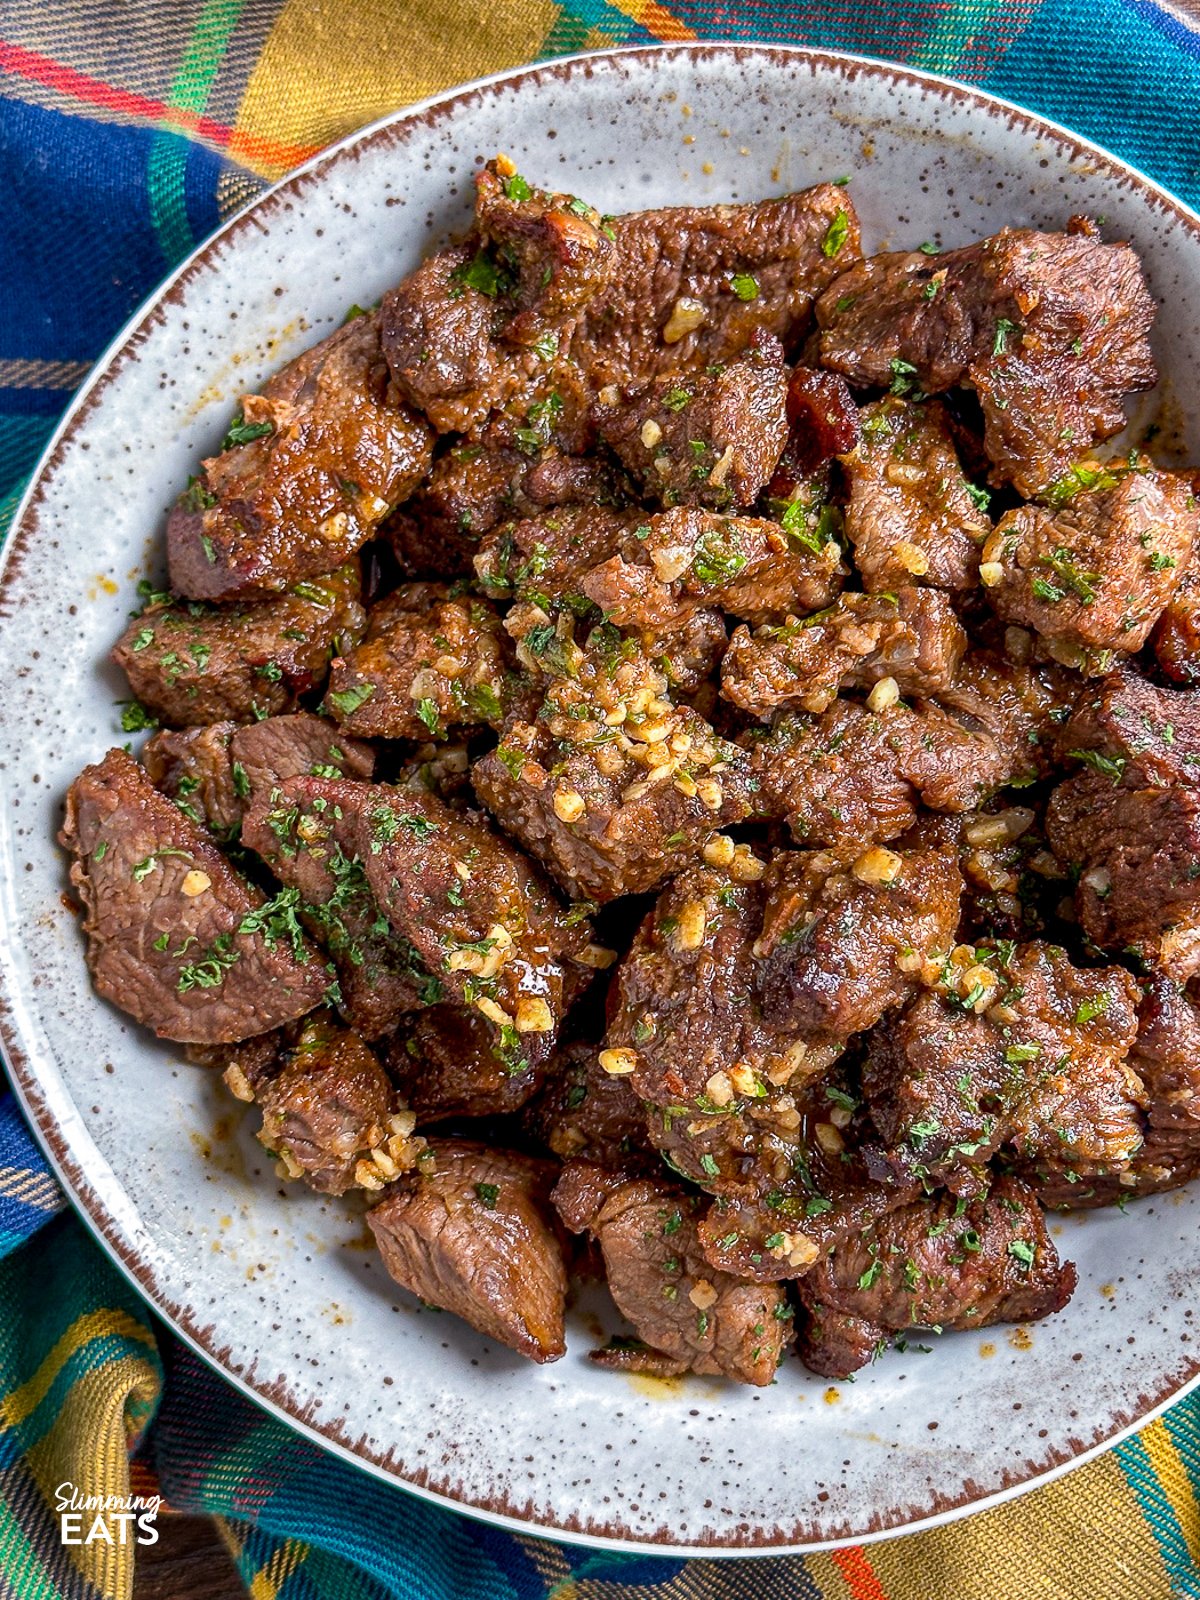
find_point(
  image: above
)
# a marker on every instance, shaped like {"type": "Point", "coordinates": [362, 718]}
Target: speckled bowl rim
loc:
{"type": "Point", "coordinates": [23, 530]}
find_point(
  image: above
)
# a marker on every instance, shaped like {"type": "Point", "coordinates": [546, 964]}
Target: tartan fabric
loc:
{"type": "Point", "coordinates": [169, 117]}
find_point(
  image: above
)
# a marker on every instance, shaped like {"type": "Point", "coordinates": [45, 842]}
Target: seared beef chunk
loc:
{"type": "Point", "coordinates": [823, 422]}
{"type": "Point", "coordinates": [306, 829]}
{"type": "Point", "coordinates": [558, 248]}
{"type": "Point", "coordinates": [447, 1063]}
{"type": "Point", "coordinates": [471, 1230]}
{"type": "Point", "coordinates": [541, 559]}
{"type": "Point", "coordinates": [194, 768]}
{"type": "Point", "coordinates": [698, 1318]}
{"type": "Point", "coordinates": [911, 637]}
{"type": "Point", "coordinates": [704, 439]}
{"type": "Point", "coordinates": [1049, 328]}
{"type": "Point", "coordinates": [938, 1263]}
{"type": "Point", "coordinates": [479, 913]}
{"type": "Point", "coordinates": [194, 664]}
{"type": "Point", "coordinates": [1136, 853]}
{"type": "Point", "coordinates": [1093, 577]}
{"type": "Point", "coordinates": [1176, 636]}
{"type": "Point", "coordinates": [175, 936]}
{"type": "Point", "coordinates": [330, 1114]}
{"type": "Point", "coordinates": [1009, 1046]}
{"type": "Point", "coordinates": [1134, 732]}
{"type": "Point", "coordinates": [309, 469]}
{"type": "Point", "coordinates": [427, 662]}
{"type": "Point", "coordinates": [585, 1111]}
{"type": "Point", "coordinates": [841, 942]}
{"type": "Point", "coordinates": [693, 285]}
{"type": "Point", "coordinates": [612, 787]}
{"type": "Point", "coordinates": [684, 559]}
{"type": "Point", "coordinates": [210, 773]}
{"type": "Point", "coordinates": [911, 514]}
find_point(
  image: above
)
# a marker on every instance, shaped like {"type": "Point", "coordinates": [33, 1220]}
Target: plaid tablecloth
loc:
{"type": "Point", "coordinates": [128, 130]}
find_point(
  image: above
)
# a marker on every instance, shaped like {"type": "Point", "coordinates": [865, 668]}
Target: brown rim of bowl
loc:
{"type": "Point", "coordinates": [275, 1397]}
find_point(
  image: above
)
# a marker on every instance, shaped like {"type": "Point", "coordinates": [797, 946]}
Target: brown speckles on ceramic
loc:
{"type": "Point", "coordinates": [277, 1288]}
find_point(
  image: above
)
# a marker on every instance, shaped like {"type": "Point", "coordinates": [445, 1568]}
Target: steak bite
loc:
{"type": "Point", "coordinates": [911, 637]}
{"type": "Point", "coordinates": [911, 515]}
{"type": "Point", "coordinates": [693, 1317]}
{"type": "Point", "coordinates": [427, 662]}
{"type": "Point", "coordinates": [194, 768]}
{"type": "Point", "coordinates": [309, 469]}
{"type": "Point", "coordinates": [1009, 1046]}
{"type": "Point", "coordinates": [1176, 637]}
{"type": "Point", "coordinates": [1093, 576]}
{"type": "Point", "coordinates": [1135, 732]}
{"type": "Point", "coordinates": [693, 285]}
{"type": "Point", "coordinates": [445, 1060]}
{"type": "Point", "coordinates": [841, 943]}
{"type": "Point", "coordinates": [584, 1111]}
{"type": "Point", "coordinates": [331, 1115]}
{"type": "Point", "coordinates": [710, 438]}
{"type": "Point", "coordinates": [542, 558]}
{"type": "Point", "coordinates": [1049, 329]}
{"type": "Point", "coordinates": [937, 1263]}
{"type": "Point", "coordinates": [681, 560]}
{"type": "Point", "coordinates": [1137, 856]}
{"type": "Point", "coordinates": [478, 911]}
{"type": "Point", "coordinates": [176, 937]}
{"type": "Point", "coordinates": [612, 787]}
{"type": "Point", "coordinates": [305, 829]}
{"type": "Point", "coordinates": [823, 422]}
{"type": "Point", "coordinates": [192, 664]}
{"type": "Point", "coordinates": [472, 1231]}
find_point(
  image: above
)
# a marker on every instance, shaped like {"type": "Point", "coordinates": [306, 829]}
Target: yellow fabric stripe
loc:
{"type": "Point", "coordinates": [267, 1582]}
{"type": "Point", "coordinates": [1172, 1475]}
{"type": "Point", "coordinates": [1034, 1547]}
{"type": "Point", "coordinates": [23, 1401]}
{"type": "Point", "coordinates": [655, 19]}
{"type": "Point", "coordinates": [87, 1447]}
{"type": "Point", "coordinates": [326, 69]}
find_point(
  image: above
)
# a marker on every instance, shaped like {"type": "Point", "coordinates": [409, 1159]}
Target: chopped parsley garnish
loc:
{"type": "Point", "coordinates": [241, 783]}
{"type": "Point", "coordinates": [871, 1276]}
{"type": "Point", "coordinates": [487, 1194]}
{"type": "Point", "coordinates": [482, 274]}
{"type": "Point", "coordinates": [746, 287]}
{"type": "Point", "coordinates": [1022, 1251]}
{"type": "Point", "coordinates": [516, 188]}
{"type": "Point", "coordinates": [1003, 328]}
{"type": "Point", "coordinates": [135, 718]}
{"type": "Point", "coordinates": [196, 497]}
{"type": "Point", "coordinates": [347, 702]}
{"type": "Point", "coordinates": [836, 235]}
{"type": "Point", "coordinates": [427, 711]}
{"type": "Point", "coordinates": [1088, 1009]}
{"type": "Point", "coordinates": [243, 432]}
{"type": "Point", "coordinates": [1108, 766]}
{"type": "Point", "coordinates": [676, 399]}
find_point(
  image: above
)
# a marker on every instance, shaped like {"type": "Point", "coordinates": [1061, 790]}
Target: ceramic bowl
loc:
{"type": "Point", "coordinates": [279, 1289]}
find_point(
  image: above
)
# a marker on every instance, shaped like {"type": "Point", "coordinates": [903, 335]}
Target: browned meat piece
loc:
{"type": "Point", "coordinates": [437, 332]}
{"type": "Point", "coordinates": [445, 1062]}
{"type": "Point", "coordinates": [1137, 856]}
{"type": "Point", "coordinates": [823, 422]}
{"type": "Point", "coordinates": [1093, 576]}
{"type": "Point", "coordinates": [542, 558]}
{"type": "Point", "coordinates": [248, 1064]}
{"type": "Point", "coordinates": [840, 944]}
{"type": "Point", "coordinates": [584, 1111]}
{"type": "Point", "coordinates": [912, 637]}
{"type": "Point", "coordinates": [473, 1232]}
{"type": "Point", "coordinates": [686, 558]}
{"type": "Point", "coordinates": [1009, 1046]}
{"type": "Point", "coordinates": [559, 249]}
{"type": "Point", "coordinates": [693, 285]}
{"type": "Point", "coordinates": [309, 469]}
{"type": "Point", "coordinates": [306, 831]}
{"type": "Point", "coordinates": [211, 772]}
{"type": "Point", "coordinates": [1049, 328]}
{"type": "Point", "coordinates": [194, 664]}
{"type": "Point", "coordinates": [471, 489]}
{"type": "Point", "coordinates": [911, 513]}
{"type": "Point", "coordinates": [481, 916]}
{"type": "Point", "coordinates": [193, 767]}
{"type": "Point", "coordinates": [613, 788]}
{"type": "Point", "coordinates": [1176, 636]}
{"type": "Point", "coordinates": [427, 662]}
{"type": "Point", "coordinates": [1135, 732]}
{"type": "Point", "coordinates": [699, 1318]}
{"type": "Point", "coordinates": [685, 1018]}
{"type": "Point", "coordinates": [705, 439]}
{"type": "Point", "coordinates": [938, 1263]}
{"type": "Point", "coordinates": [175, 937]}
{"type": "Point", "coordinates": [330, 1114]}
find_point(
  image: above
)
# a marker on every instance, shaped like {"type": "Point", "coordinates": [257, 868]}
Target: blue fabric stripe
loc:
{"type": "Point", "coordinates": [1157, 1509]}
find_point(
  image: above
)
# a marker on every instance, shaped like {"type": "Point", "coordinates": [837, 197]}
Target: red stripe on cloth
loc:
{"type": "Point", "coordinates": [93, 91]}
{"type": "Point", "coordinates": [858, 1573]}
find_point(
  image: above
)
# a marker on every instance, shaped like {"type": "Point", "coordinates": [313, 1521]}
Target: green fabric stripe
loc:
{"type": "Point", "coordinates": [954, 33]}
{"type": "Point", "coordinates": [190, 90]}
{"type": "Point", "coordinates": [245, 1456]}
{"type": "Point", "coordinates": [19, 1561]}
{"type": "Point", "coordinates": [1139, 1473]}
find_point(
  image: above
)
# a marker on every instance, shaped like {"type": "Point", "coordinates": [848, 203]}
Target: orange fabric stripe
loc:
{"type": "Point", "coordinates": [858, 1573]}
